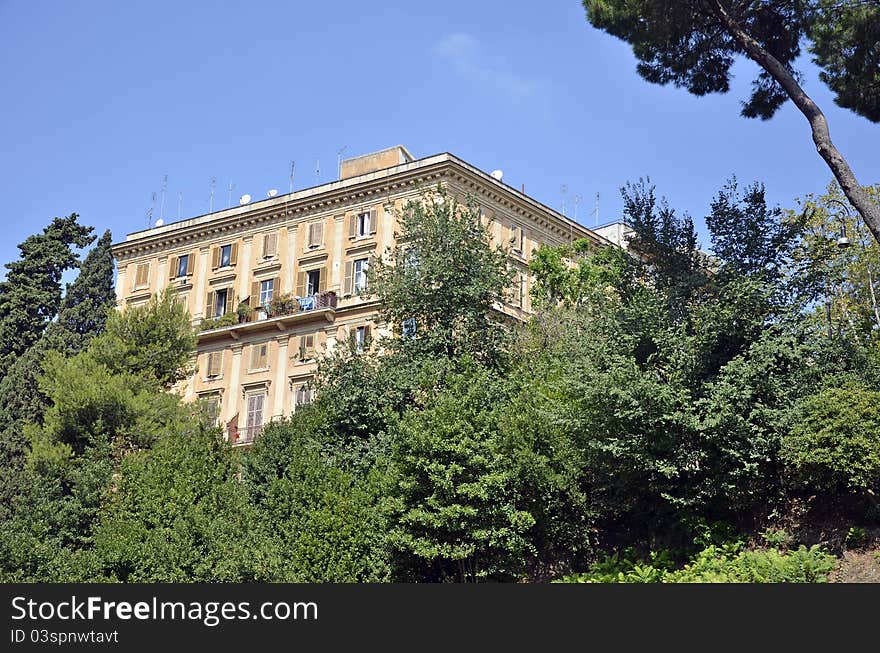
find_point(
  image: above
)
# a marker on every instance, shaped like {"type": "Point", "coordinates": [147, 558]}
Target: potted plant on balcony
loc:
{"type": "Point", "coordinates": [282, 305]}
{"type": "Point", "coordinates": [245, 312]}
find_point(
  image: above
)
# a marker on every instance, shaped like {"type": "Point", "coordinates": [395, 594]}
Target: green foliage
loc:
{"type": "Point", "coordinates": [856, 537]}
{"type": "Point", "coordinates": [684, 43]}
{"type": "Point", "coordinates": [729, 563]}
{"type": "Point", "coordinates": [154, 341]}
{"type": "Point", "coordinates": [30, 296]}
{"type": "Point", "coordinates": [230, 319]}
{"type": "Point", "coordinates": [444, 276]}
{"type": "Point", "coordinates": [835, 444]}
{"type": "Point", "coordinates": [461, 519]}
{"type": "Point", "coordinates": [314, 521]}
{"type": "Point", "coordinates": [175, 513]}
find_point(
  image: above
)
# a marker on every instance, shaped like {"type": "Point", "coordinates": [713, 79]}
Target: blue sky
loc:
{"type": "Point", "coordinates": [102, 99]}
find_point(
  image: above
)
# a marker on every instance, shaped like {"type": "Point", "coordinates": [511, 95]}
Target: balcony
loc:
{"type": "Point", "coordinates": [277, 312]}
{"type": "Point", "coordinates": [240, 437]}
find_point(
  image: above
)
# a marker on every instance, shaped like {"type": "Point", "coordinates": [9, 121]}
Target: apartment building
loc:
{"type": "Point", "coordinates": [275, 284]}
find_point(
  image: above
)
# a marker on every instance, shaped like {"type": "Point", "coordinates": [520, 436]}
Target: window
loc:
{"type": "Point", "coordinates": [361, 338]}
{"type": "Point", "coordinates": [360, 274]}
{"type": "Point", "coordinates": [270, 245]}
{"type": "Point", "coordinates": [225, 255]}
{"type": "Point", "coordinates": [215, 364]}
{"type": "Point", "coordinates": [517, 292]}
{"type": "Point", "coordinates": [411, 259]}
{"type": "Point", "coordinates": [219, 302]}
{"type": "Point", "coordinates": [142, 275]}
{"type": "Point", "coordinates": [302, 396]}
{"type": "Point", "coordinates": [517, 239]}
{"type": "Point", "coordinates": [408, 328]}
{"type": "Point", "coordinates": [313, 282]}
{"type": "Point", "coordinates": [362, 225]}
{"type": "Point", "coordinates": [254, 423]}
{"type": "Point", "coordinates": [210, 405]}
{"type": "Point", "coordinates": [182, 265]}
{"type": "Point", "coordinates": [259, 356]}
{"type": "Point", "coordinates": [306, 347]}
{"type": "Point", "coordinates": [267, 289]}
{"type": "Point", "coordinates": [316, 234]}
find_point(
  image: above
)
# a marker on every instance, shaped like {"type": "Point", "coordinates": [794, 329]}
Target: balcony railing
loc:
{"type": "Point", "coordinates": [291, 305]}
{"type": "Point", "coordinates": [246, 435]}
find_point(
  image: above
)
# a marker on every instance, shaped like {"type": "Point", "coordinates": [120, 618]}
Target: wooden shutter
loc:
{"type": "Point", "coordinates": [209, 307]}
{"type": "Point", "coordinates": [254, 299]}
{"type": "Point", "coordinates": [322, 279]}
{"type": "Point", "coordinates": [307, 347]}
{"type": "Point", "coordinates": [259, 356]}
{"type": "Point", "coordinates": [352, 226]}
{"type": "Point", "coordinates": [373, 220]}
{"type": "Point", "coordinates": [366, 336]}
{"type": "Point", "coordinates": [316, 234]}
{"type": "Point", "coordinates": [190, 261]}
{"type": "Point", "coordinates": [172, 267]}
{"type": "Point", "coordinates": [142, 275]}
{"type": "Point", "coordinates": [215, 258]}
{"type": "Point", "coordinates": [270, 245]}
{"type": "Point", "coordinates": [233, 254]}
{"type": "Point", "coordinates": [215, 362]}
{"type": "Point", "coordinates": [229, 297]}
{"type": "Point", "coordinates": [301, 284]}
{"type": "Point", "coordinates": [348, 287]}
{"type": "Point", "coordinates": [276, 287]}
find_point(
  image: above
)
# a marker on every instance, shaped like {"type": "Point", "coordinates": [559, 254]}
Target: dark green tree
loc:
{"type": "Point", "coordinates": [694, 44]}
{"type": "Point", "coordinates": [30, 296]}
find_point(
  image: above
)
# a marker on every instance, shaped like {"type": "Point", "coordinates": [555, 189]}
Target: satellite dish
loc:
{"type": "Point", "coordinates": [272, 192]}
{"type": "Point", "coordinates": [244, 199]}
{"type": "Point", "coordinates": [160, 222]}
{"type": "Point", "coordinates": [498, 174]}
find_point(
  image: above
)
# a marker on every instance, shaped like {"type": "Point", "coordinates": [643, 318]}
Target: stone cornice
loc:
{"type": "Point", "coordinates": [377, 186]}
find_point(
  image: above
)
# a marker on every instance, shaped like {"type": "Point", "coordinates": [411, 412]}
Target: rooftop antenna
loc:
{"type": "Point", "coordinates": [292, 171]}
{"type": "Point", "coordinates": [179, 202]}
{"type": "Point", "coordinates": [162, 204]}
{"type": "Point", "coordinates": [577, 200]}
{"type": "Point", "coordinates": [564, 190]}
{"type": "Point", "coordinates": [318, 171]}
{"type": "Point", "coordinates": [151, 209]}
{"type": "Point", "coordinates": [229, 199]}
{"type": "Point", "coordinates": [211, 198]}
{"type": "Point", "coordinates": [339, 160]}
{"type": "Point", "coordinates": [596, 210]}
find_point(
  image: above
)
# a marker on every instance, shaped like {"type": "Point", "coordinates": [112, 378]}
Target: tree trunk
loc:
{"type": "Point", "coordinates": [869, 211]}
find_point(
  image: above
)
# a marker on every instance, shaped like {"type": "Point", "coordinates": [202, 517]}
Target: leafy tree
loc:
{"type": "Point", "coordinates": [443, 282]}
{"type": "Point", "coordinates": [82, 316]}
{"type": "Point", "coordinates": [31, 293]}
{"type": "Point", "coordinates": [461, 518]}
{"type": "Point", "coordinates": [695, 43]}
{"type": "Point", "coordinates": [314, 520]}
{"type": "Point", "coordinates": [154, 341]}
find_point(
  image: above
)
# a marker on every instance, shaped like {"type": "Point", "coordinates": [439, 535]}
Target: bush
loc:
{"type": "Point", "coordinates": [729, 563]}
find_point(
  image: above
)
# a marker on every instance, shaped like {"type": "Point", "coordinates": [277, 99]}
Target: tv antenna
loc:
{"type": "Point", "coordinates": [318, 171]}
{"type": "Point", "coordinates": [577, 200]}
{"type": "Point", "coordinates": [292, 171]}
{"type": "Point", "coordinates": [563, 190]}
{"type": "Point", "coordinates": [151, 209]}
{"type": "Point", "coordinates": [211, 197]}
{"type": "Point", "coordinates": [339, 160]}
{"type": "Point", "coordinates": [229, 198]}
{"type": "Point", "coordinates": [162, 204]}
{"type": "Point", "coordinates": [596, 210]}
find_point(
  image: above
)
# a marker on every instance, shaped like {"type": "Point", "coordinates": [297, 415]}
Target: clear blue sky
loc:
{"type": "Point", "coordinates": [101, 99]}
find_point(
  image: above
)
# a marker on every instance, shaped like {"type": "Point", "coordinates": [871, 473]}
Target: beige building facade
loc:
{"type": "Point", "coordinates": [275, 284]}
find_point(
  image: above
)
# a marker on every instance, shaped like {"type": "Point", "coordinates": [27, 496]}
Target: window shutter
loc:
{"type": "Point", "coordinates": [215, 258]}
{"type": "Point", "coordinates": [316, 234]}
{"type": "Point", "coordinates": [228, 308]}
{"type": "Point", "coordinates": [263, 357]}
{"type": "Point", "coordinates": [373, 220]}
{"type": "Point", "coordinates": [310, 346]}
{"type": "Point", "coordinates": [352, 226]}
{"type": "Point", "coordinates": [322, 279]}
{"type": "Point", "coordinates": [142, 275]}
{"type": "Point", "coordinates": [270, 245]}
{"type": "Point", "coordinates": [189, 263]}
{"type": "Point", "coordinates": [301, 284]}
{"type": "Point", "coordinates": [215, 361]}
{"type": "Point", "coordinates": [209, 306]}
{"type": "Point", "coordinates": [367, 335]}
{"type": "Point", "coordinates": [349, 278]}
{"type": "Point", "coordinates": [233, 254]}
{"type": "Point", "coordinates": [172, 267]}
{"type": "Point", "coordinates": [276, 287]}
{"type": "Point", "coordinates": [254, 299]}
